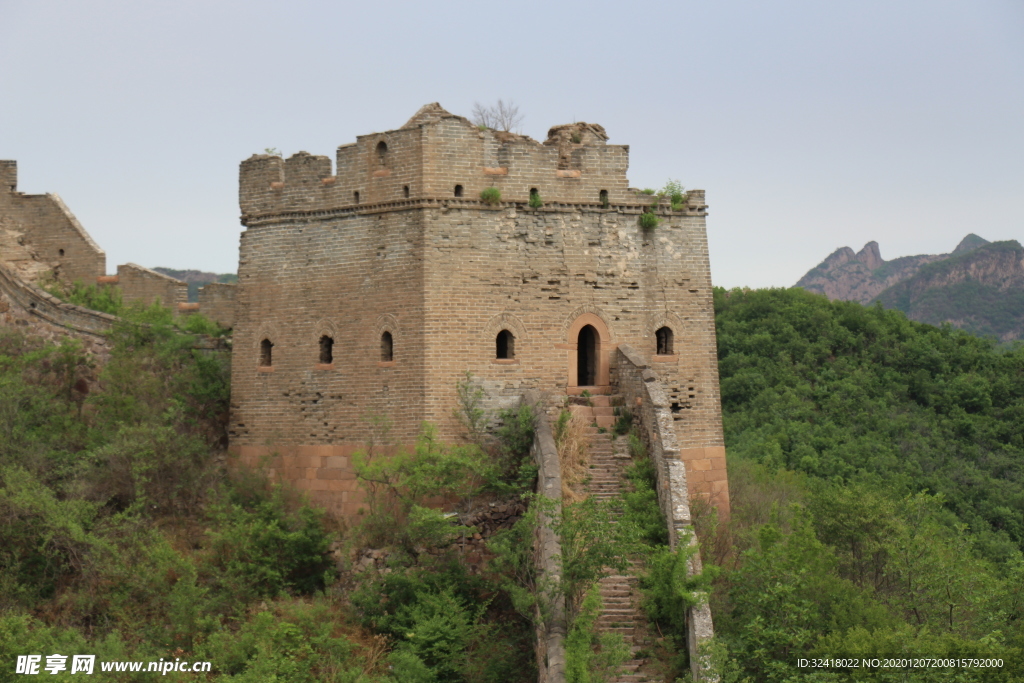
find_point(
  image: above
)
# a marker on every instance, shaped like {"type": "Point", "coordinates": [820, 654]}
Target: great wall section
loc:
{"type": "Point", "coordinates": [375, 285]}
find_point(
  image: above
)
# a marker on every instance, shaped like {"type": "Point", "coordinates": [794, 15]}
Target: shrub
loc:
{"type": "Point", "coordinates": [649, 221]}
{"type": "Point", "coordinates": [535, 201]}
{"type": "Point", "coordinates": [624, 423]}
{"type": "Point", "coordinates": [262, 549]}
{"type": "Point", "coordinates": [591, 657]}
{"type": "Point", "coordinates": [105, 300]}
{"type": "Point", "coordinates": [676, 193]}
{"type": "Point", "coordinates": [515, 439]}
{"type": "Point", "coordinates": [491, 195]}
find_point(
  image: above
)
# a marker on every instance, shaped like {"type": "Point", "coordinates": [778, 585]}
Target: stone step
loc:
{"type": "Point", "coordinates": [593, 391]}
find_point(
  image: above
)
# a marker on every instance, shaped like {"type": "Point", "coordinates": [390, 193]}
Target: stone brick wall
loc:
{"type": "Point", "coordinates": [139, 284]}
{"type": "Point", "coordinates": [50, 229]}
{"type": "Point", "coordinates": [217, 302]}
{"type": "Point", "coordinates": [28, 309]}
{"type": "Point", "coordinates": [651, 405]}
{"type": "Point", "coordinates": [444, 275]}
{"type": "Point", "coordinates": [550, 646]}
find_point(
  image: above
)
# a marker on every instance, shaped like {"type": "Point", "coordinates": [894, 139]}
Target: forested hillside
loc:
{"type": "Point", "coordinates": [876, 473]}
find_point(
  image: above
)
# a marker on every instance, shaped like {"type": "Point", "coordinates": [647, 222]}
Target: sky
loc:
{"type": "Point", "coordinates": [811, 125]}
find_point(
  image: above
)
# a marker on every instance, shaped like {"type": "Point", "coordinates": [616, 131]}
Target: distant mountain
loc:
{"type": "Point", "coordinates": [980, 290]}
{"type": "Point", "coordinates": [979, 287]}
{"type": "Point", "coordinates": [196, 279]}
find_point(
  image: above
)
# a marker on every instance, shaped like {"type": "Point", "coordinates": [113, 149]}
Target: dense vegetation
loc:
{"type": "Point", "coordinates": [878, 507]}
{"type": "Point", "coordinates": [124, 536]}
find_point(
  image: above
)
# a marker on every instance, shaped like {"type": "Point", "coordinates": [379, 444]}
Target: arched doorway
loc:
{"type": "Point", "coordinates": [587, 349]}
{"type": "Point", "coordinates": [590, 348]}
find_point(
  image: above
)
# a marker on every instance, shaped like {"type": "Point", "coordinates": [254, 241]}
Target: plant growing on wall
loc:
{"type": "Point", "coordinates": [676, 193]}
{"type": "Point", "coordinates": [535, 201]}
{"type": "Point", "coordinates": [648, 220]}
{"type": "Point", "coordinates": [491, 195]}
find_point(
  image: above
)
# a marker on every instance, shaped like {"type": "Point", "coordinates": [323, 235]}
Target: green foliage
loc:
{"type": "Point", "coordinates": [296, 644]}
{"type": "Point", "coordinates": [437, 618]}
{"type": "Point", "coordinates": [835, 389]}
{"type": "Point", "coordinates": [535, 201]}
{"type": "Point", "coordinates": [640, 505]}
{"type": "Point", "coordinates": [623, 422]}
{"type": "Point", "coordinates": [399, 483]}
{"type": "Point", "coordinates": [470, 412]}
{"type": "Point", "coordinates": [260, 549]}
{"type": "Point", "coordinates": [649, 220]}
{"type": "Point", "coordinates": [592, 657]}
{"type": "Point", "coordinates": [515, 563]}
{"type": "Point", "coordinates": [669, 592]}
{"type": "Point", "coordinates": [515, 439]}
{"type": "Point", "coordinates": [676, 193]}
{"type": "Point", "coordinates": [649, 191]}
{"type": "Point", "coordinates": [491, 195]}
{"type": "Point", "coordinates": [637, 448]}
{"type": "Point", "coordinates": [93, 297]}
{"type": "Point", "coordinates": [875, 506]}
{"type": "Point", "coordinates": [594, 544]}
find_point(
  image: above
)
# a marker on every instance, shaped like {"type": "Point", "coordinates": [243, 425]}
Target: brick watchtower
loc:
{"type": "Point", "coordinates": [373, 290]}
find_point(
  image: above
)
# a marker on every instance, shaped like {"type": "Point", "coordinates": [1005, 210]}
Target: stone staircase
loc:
{"type": "Point", "coordinates": [620, 593]}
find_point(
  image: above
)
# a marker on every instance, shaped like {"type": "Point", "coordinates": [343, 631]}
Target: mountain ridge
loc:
{"type": "Point", "coordinates": [978, 287]}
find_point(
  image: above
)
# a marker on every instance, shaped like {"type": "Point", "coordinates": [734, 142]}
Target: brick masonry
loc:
{"type": "Point", "coordinates": [50, 229]}
{"type": "Point", "coordinates": [397, 240]}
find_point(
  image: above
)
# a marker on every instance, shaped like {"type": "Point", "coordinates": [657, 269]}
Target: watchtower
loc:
{"type": "Point", "coordinates": [373, 290]}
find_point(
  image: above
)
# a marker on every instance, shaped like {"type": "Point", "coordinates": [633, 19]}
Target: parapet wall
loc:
{"type": "Point", "coordinates": [550, 633]}
{"type": "Point", "coordinates": [439, 156]}
{"type": "Point", "coordinates": [217, 302]}
{"type": "Point", "coordinates": [28, 308]}
{"type": "Point", "coordinates": [649, 401]}
{"type": "Point", "coordinates": [51, 230]}
{"type": "Point", "coordinates": [139, 284]}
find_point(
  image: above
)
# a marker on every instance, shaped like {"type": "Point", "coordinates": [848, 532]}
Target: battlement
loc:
{"type": "Point", "coordinates": [8, 176]}
{"type": "Point", "coordinates": [437, 156]}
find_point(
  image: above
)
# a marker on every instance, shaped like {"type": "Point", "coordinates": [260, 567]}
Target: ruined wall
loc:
{"type": "Point", "coordinates": [432, 154]}
{"type": "Point", "coordinates": [217, 302]}
{"type": "Point", "coordinates": [50, 229]}
{"type": "Point", "coordinates": [28, 309]}
{"type": "Point", "coordinates": [139, 284]}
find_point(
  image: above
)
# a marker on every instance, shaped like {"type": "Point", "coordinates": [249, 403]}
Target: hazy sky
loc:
{"type": "Point", "coordinates": [811, 125]}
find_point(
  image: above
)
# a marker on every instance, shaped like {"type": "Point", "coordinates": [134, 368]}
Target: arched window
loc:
{"type": "Point", "coordinates": [355, 197]}
{"type": "Point", "coordinates": [405, 191]}
{"type": "Point", "coordinates": [60, 251]}
{"type": "Point", "coordinates": [382, 153]}
{"type": "Point", "coordinates": [505, 345]}
{"type": "Point", "coordinates": [458, 190]}
{"type": "Point", "coordinates": [266, 357]}
{"type": "Point", "coordinates": [326, 350]}
{"type": "Point", "coordinates": [664, 338]}
{"type": "Point", "coordinates": [604, 198]}
{"type": "Point", "coordinates": [387, 349]}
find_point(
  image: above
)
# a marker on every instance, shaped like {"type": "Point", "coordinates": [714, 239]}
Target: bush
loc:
{"type": "Point", "coordinates": [592, 657]}
{"type": "Point", "coordinates": [515, 439]}
{"type": "Point", "coordinates": [649, 221]}
{"type": "Point", "coordinates": [535, 201]}
{"type": "Point", "coordinates": [624, 423]}
{"type": "Point", "coordinates": [491, 195]}
{"type": "Point", "coordinates": [105, 300]}
{"type": "Point", "coordinates": [262, 549]}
